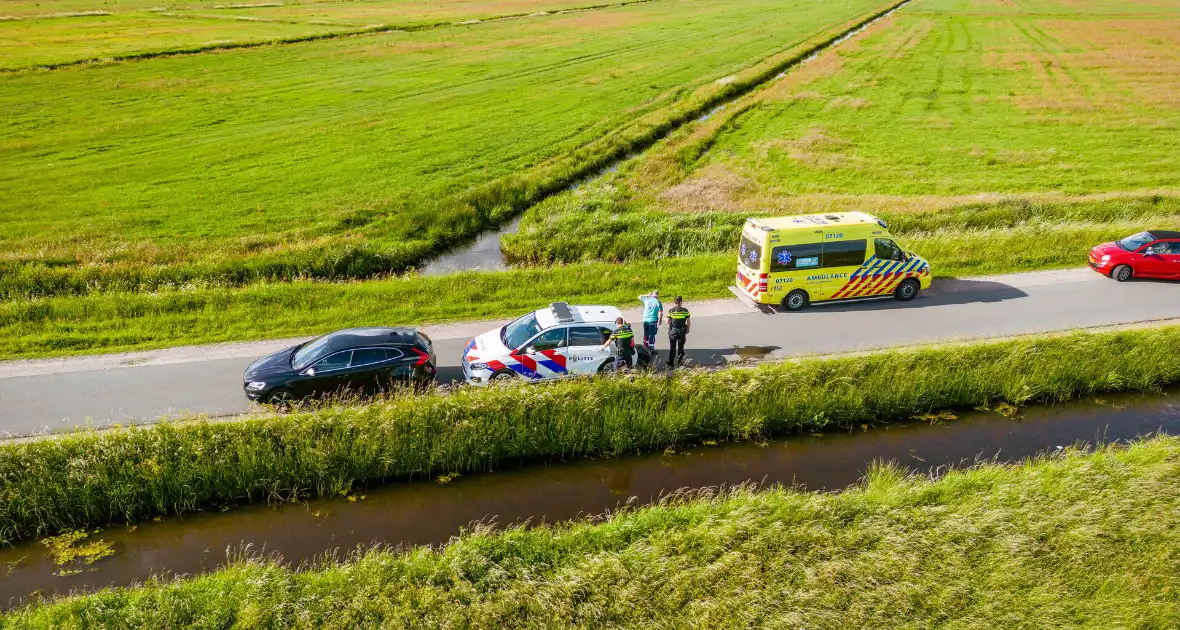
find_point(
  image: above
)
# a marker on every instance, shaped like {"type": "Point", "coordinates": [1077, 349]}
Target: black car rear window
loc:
{"type": "Point", "coordinates": [367, 356]}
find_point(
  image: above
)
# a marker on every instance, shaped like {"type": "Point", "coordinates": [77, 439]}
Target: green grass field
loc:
{"type": "Point", "coordinates": [1077, 540]}
{"type": "Point", "coordinates": [354, 156]}
{"type": "Point", "coordinates": [91, 31]}
{"type": "Point", "coordinates": [954, 97]}
{"type": "Point", "coordinates": [296, 198]}
{"type": "Point", "coordinates": [947, 105]}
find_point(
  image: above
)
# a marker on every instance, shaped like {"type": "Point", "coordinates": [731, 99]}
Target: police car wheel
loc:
{"type": "Point", "coordinates": [795, 300]}
{"type": "Point", "coordinates": [503, 376]}
{"type": "Point", "coordinates": [907, 290]}
{"type": "Point", "coordinates": [607, 366]}
{"type": "Point", "coordinates": [1122, 273]}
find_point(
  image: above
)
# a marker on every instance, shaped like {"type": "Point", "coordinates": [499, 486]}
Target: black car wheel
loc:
{"type": "Point", "coordinates": [907, 290]}
{"type": "Point", "coordinates": [796, 300]}
{"type": "Point", "coordinates": [1122, 273]}
{"type": "Point", "coordinates": [281, 398]}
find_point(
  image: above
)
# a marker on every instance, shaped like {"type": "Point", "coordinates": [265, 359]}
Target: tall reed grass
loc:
{"type": "Point", "coordinates": [1078, 539]}
{"type": "Point", "coordinates": [128, 474]}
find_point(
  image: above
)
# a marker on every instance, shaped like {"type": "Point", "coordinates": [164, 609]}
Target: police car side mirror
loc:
{"type": "Point", "coordinates": [530, 350]}
{"type": "Point", "coordinates": [309, 372]}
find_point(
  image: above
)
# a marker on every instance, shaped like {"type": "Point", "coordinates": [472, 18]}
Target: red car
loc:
{"type": "Point", "coordinates": [1154, 254]}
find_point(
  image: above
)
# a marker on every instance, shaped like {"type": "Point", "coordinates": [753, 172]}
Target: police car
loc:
{"type": "Point", "coordinates": [549, 343]}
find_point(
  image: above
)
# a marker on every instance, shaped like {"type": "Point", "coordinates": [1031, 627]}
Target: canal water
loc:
{"type": "Point", "coordinates": [427, 512]}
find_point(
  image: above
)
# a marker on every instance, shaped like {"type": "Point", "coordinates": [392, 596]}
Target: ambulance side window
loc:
{"type": "Point", "coordinates": [844, 253]}
{"type": "Point", "coordinates": [888, 250]}
{"type": "Point", "coordinates": [792, 257]}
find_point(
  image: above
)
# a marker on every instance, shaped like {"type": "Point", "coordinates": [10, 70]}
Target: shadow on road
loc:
{"type": "Point", "coordinates": [961, 292]}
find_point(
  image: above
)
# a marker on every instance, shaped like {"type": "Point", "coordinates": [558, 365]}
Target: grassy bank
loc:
{"type": "Point", "coordinates": [373, 152]}
{"type": "Point", "coordinates": [108, 322]}
{"type": "Point", "coordinates": [607, 221]}
{"type": "Point", "coordinates": [1078, 540]}
{"type": "Point", "coordinates": [125, 475]}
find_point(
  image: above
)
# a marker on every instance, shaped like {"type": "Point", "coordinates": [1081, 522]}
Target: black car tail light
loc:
{"type": "Point", "coordinates": [423, 357]}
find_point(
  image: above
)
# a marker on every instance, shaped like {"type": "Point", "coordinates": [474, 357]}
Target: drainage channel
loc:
{"type": "Point", "coordinates": [429, 513]}
{"type": "Point", "coordinates": [483, 252]}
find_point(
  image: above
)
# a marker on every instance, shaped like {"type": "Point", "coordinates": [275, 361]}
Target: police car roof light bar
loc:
{"type": "Point", "coordinates": [561, 311]}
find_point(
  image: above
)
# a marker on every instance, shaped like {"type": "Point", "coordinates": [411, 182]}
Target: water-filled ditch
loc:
{"type": "Point", "coordinates": [427, 512]}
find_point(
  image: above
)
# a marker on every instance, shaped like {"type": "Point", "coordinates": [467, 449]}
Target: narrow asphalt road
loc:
{"type": "Point", "coordinates": [56, 394]}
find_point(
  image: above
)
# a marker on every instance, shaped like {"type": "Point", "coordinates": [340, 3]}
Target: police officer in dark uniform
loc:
{"type": "Point", "coordinates": [624, 339]}
{"type": "Point", "coordinates": [678, 325]}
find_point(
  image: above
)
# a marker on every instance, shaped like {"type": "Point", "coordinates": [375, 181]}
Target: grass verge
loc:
{"type": "Point", "coordinates": [108, 322]}
{"type": "Point", "coordinates": [124, 475]}
{"type": "Point", "coordinates": [1074, 540]}
{"type": "Point", "coordinates": [606, 221]}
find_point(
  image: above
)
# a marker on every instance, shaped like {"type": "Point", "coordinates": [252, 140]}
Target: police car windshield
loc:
{"type": "Point", "coordinates": [515, 334]}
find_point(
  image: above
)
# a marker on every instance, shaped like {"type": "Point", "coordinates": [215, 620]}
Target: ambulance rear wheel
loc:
{"type": "Point", "coordinates": [907, 290]}
{"type": "Point", "coordinates": [796, 300]}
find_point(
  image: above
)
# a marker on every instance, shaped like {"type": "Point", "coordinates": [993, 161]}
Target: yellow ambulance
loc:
{"type": "Point", "coordinates": [792, 261]}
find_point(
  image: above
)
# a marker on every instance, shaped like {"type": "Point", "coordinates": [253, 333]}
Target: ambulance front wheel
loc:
{"type": "Point", "coordinates": [796, 300]}
{"type": "Point", "coordinates": [907, 290]}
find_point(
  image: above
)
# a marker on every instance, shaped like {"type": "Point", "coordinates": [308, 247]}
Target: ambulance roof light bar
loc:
{"type": "Point", "coordinates": [561, 312]}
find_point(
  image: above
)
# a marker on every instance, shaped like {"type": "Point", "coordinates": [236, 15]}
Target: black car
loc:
{"type": "Point", "coordinates": [354, 360]}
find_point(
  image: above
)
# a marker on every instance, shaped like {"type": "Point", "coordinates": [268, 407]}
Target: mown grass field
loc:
{"type": "Point", "coordinates": [89, 478]}
{"type": "Point", "coordinates": [947, 105]}
{"type": "Point", "coordinates": [35, 35]}
{"type": "Point", "coordinates": [1077, 540]}
{"type": "Point", "coordinates": [353, 156]}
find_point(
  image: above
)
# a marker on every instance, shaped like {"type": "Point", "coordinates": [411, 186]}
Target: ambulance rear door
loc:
{"type": "Point", "coordinates": [750, 278]}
